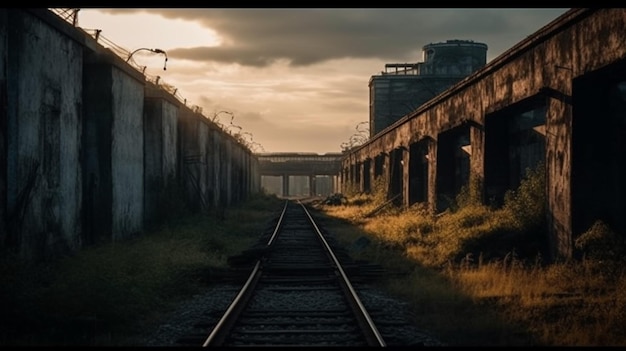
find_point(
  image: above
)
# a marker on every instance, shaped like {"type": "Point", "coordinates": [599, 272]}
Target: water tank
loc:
{"type": "Point", "coordinates": [453, 57]}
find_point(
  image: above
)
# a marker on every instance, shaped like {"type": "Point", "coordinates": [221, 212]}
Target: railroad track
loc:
{"type": "Point", "coordinates": [297, 294]}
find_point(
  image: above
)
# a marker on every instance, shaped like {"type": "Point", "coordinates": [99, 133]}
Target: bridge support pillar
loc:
{"type": "Point", "coordinates": [312, 190]}
{"type": "Point", "coordinates": [386, 168]}
{"type": "Point", "coordinates": [372, 176]}
{"type": "Point", "coordinates": [285, 185]}
{"type": "Point", "coordinates": [361, 176]}
{"type": "Point", "coordinates": [405, 162]}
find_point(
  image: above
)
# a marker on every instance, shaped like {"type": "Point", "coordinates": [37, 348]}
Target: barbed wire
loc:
{"type": "Point", "coordinates": [70, 15]}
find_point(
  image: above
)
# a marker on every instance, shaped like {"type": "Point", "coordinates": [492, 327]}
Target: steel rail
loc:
{"type": "Point", "coordinates": [373, 335]}
{"type": "Point", "coordinates": [235, 307]}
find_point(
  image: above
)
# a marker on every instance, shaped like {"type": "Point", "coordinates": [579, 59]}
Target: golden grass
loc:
{"type": "Point", "coordinates": [475, 275]}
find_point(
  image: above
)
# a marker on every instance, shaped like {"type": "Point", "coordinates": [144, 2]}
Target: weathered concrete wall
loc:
{"type": "Point", "coordinates": [96, 160]}
{"type": "Point", "coordinates": [190, 157]}
{"type": "Point", "coordinates": [212, 163]}
{"type": "Point", "coordinates": [169, 142]}
{"type": "Point", "coordinates": [127, 154]}
{"type": "Point", "coordinates": [255, 174]}
{"type": "Point", "coordinates": [201, 168]}
{"type": "Point", "coordinates": [160, 148]}
{"type": "Point", "coordinates": [113, 147]}
{"type": "Point", "coordinates": [209, 170]}
{"type": "Point", "coordinates": [153, 180]}
{"type": "Point", "coordinates": [74, 170]}
{"type": "Point", "coordinates": [42, 78]}
{"type": "Point", "coordinates": [227, 171]}
{"type": "Point", "coordinates": [238, 183]}
{"type": "Point", "coordinates": [247, 177]}
{"type": "Point", "coordinates": [113, 150]}
{"type": "Point", "coordinates": [540, 68]}
{"type": "Point", "coordinates": [3, 124]}
{"type": "Point", "coordinates": [217, 156]}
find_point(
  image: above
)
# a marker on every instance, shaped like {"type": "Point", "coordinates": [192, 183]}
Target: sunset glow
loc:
{"type": "Point", "coordinates": [296, 79]}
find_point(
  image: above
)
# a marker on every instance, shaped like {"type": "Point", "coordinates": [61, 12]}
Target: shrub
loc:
{"type": "Point", "coordinates": [600, 243]}
{"type": "Point", "coordinates": [527, 204]}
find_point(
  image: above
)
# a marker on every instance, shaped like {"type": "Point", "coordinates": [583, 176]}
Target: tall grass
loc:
{"type": "Point", "coordinates": [99, 295]}
{"type": "Point", "coordinates": [478, 275]}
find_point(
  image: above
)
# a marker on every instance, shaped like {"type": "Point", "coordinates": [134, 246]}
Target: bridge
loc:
{"type": "Point", "coordinates": [556, 98]}
{"type": "Point", "coordinates": [310, 173]}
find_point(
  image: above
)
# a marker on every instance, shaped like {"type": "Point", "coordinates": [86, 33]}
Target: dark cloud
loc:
{"type": "Point", "coordinates": [259, 37]}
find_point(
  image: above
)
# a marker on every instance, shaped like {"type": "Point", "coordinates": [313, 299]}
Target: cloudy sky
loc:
{"type": "Point", "coordinates": [296, 80]}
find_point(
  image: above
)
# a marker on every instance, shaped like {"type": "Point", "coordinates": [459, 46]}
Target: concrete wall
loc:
{"type": "Point", "coordinates": [127, 154]}
{"type": "Point", "coordinates": [169, 129]}
{"type": "Point", "coordinates": [227, 172]}
{"type": "Point", "coordinates": [160, 148]}
{"type": "Point", "coordinates": [538, 70]}
{"type": "Point", "coordinates": [213, 166]}
{"type": "Point", "coordinates": [196, 156]}
{"type": "Point", "coordinates": [217, 157]}
{"type": "Point", "coordinates": [86, 146]}
{"type": "Point", "coordinates": [255, 174]}
{"type": "Point", "coordinates": [4, 44]}
{"type": "Point", "coordinates": [236, 175]}
{"type": "Point", "coordinates": [42, 78]}
{"type": "Point", "coordinates": [202, 167]}
{"type": "Point", "coordinates": [113, 148]}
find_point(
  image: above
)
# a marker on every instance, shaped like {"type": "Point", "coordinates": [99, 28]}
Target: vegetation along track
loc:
{"type": "Point", "coordinates": [298, 293]}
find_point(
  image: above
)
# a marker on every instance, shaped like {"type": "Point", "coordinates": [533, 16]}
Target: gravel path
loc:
{"type": "Point", "coordinates": [217, 298]}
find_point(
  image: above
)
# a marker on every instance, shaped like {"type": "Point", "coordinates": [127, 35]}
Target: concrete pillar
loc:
{"type": "Point", "coordinates": [477, 159]}
{"type": "Point", "coordinates": [338, 184]}
{"type": "Point", "coordinates": [387, 173]}
{"type": "Point", "coordinates": [558, 176]}
{"type": "Point", "coordinates": [386, 167]}
{"type": "Point", "coordinates": [367, 180]}
{"type": "Point", "coordinates": [432, 176]}
{"type": "Point", "coordinates": [405, 176]}
{"type": "Point", "coordinates": [312, 188]}
{"type": "Point", "coordinates": [352, 177]}
{"type": "Point", "coordinates": [285, 185]}
{"type": "Point", "coordinates": [361, 176]}
{"type": "Point", "coordinates": [372, 175]}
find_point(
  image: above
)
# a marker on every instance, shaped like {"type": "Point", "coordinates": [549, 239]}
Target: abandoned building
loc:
{"type": "Point", "coordinates": [403, 87]}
